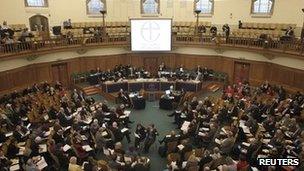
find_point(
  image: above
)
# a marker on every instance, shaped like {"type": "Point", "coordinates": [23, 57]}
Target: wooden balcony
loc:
{"type": "Point", "coordinates": [293, 48]}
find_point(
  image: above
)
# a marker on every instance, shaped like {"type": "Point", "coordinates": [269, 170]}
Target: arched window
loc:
{"type": "Point", "coordinates": [205, 6]}
{"type": "Point", "coordinates": [95, 6]}
{"type": "Point", "coordinates": [149, 7]}
{"type": "Point", "coordinates": [36, 3]}
{"type": "Point", "coordinates": [262, 7]}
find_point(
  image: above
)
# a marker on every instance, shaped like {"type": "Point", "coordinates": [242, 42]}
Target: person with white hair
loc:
{"type": "Point", "coordinates": [119, 134]}
{"type": "Point", "coordinates": [73, 166]}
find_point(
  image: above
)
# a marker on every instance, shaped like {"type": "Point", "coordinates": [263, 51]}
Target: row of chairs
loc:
{"type": "Point", "coordinates": [36, 35]}
{"type": "Point", "coordinates": [74, 32]}
{"type": "Point", "coordinates": [267, 26]}
{"type": "Point", "coordinates": [17, 27]}
{"type": "Point", "coordinates": [98, 24]}
{"type": "Point", "coordinates": [117, 31]}
{"type": "Point", "coordinates": [190, 24]}
{"type": "Point", "coordinates": [256, 33]}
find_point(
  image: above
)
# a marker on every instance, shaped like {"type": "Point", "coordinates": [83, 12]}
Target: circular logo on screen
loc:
{"type": "Point", "coordinates": [150, 31]}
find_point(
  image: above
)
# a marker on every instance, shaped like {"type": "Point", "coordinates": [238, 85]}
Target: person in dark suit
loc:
{"type": "Point", "coordinates": [150, 137]}
{"type": "Point", "coordinates": [226, 30]}
{"type": "Point", "coordinates": [208, 137]}
{"type": "Point", "coordinates": [4, 161]}
{"type": "Point", "coordinates": [12, 149]}
{"type": "Point", "coordinates": [289, 32]}
{"type": "Point", "coordinates": [58, 136]}
{"type": "Point", "coordinates": [140, 135]}
{"type": "Point", "coordinates": [169, 138]}
{"type": "Point", "coordinates": [213, 31]}
{"type": "Point", "coordinates": [141, 164]}
{"type": "Point", "coordinates": [162, 67]}
{"type": "Point", "coordinates": [64, 119]}
{"type": "Point", "coordinates": [118, 135]}
{"type": "Point", "coordinates": [123, 96]}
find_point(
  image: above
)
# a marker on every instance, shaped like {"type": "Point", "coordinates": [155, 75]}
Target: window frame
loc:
{"type": "Point", "coordinates": [204, 14]}
{"type": "Point", "coordinates": [255, 14]}
{"type": "Point", "coordinates": [149, 15]}
{"type": "Point", "coordinates": [95, 14]}
{"type": "Point", "coordinates": [46, 2]}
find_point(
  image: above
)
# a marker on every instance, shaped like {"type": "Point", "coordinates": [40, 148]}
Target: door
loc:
{"type": "Point", "coordinates": [151, 64]}
{"type": "Point", "coordinates": [40, 24]}
{"type": "Point", "coordinates": [60, 73]}
{"type": "Point", "coordinates": [241, 72]}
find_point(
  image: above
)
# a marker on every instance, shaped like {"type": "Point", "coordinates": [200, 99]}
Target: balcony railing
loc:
{"type": "Point", "coordinates": [49, 45]}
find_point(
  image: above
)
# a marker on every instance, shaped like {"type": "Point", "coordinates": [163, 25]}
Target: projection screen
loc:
{"type": "Point", "coordinates": [151, 34]}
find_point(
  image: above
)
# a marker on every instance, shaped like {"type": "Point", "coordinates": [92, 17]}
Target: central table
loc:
{"type": "Point", "coordinates": [151, 85]}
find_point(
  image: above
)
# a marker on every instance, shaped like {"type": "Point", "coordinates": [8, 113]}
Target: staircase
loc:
{"type": "Point", "coordinates": [88, 90]}
{"type": "Point", "coordinates": [91, 90]}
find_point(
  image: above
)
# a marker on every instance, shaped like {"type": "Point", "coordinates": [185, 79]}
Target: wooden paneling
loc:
{"type": "Point", "coordinates": [259, 71]}
{"type": "Point", "coordinates": [43, 73]}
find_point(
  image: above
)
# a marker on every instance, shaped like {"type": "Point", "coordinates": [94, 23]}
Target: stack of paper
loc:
{"type": "Point", "coordinates": [66, 148]}
{"type": "Point", "coordinates": [127, 112]}
{"type": "Point", "coordinates": [104, 133]}
{"type": "Point", "coordinates": [128, 159]}
{"type": "Point", "coordinates": [8, 134]}
{"type": "Point", "coordinates": [42, 164]}
{"type": "Point", "coordinates": [181, 147]}
{"type": "Point", "coordinates": [87, 148]}
{"type": "Point", "coordinates": [42, 148]}
{"type": "Point", "coordinates": [218, 141]}
{"type": "Point", "coordinates": [246, 144]}
{"type": "Point", "coordinates": [185, 126]}
{"type": "Point", "coordinates": [14, 167]}
{"type": "Point", "coordinates": [124, 130]}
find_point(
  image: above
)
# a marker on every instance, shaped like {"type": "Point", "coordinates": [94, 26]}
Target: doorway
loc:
{"type": "Point", "coordinates": [241, 72]}
{"type": "Point", "coordinates": [40, 24]}
{"type": "Point", "coordinates": [60, 73]}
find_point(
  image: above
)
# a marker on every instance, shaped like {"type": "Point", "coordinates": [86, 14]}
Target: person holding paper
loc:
{"type": "Point", "coordinates": [150, 137]}
{"type": "Point", "coordinates": [123, 96]}
{"type": "Point", "coordinates": [228, 143]}
{"type": "Point", "coordinates": [12, 149]}
{"type": "Point", "coordinates": [119, 134]}
{"type": "Point", "coordinates": [169, 138]}
{"type": "Point", "coordinates": [31, 166]}
{"type": "Point", "coordinates": [77, 146]}
{"type": "Point", "coordinates": [140, 135]}
{"type": "Point", "coordinates": [4, 161]}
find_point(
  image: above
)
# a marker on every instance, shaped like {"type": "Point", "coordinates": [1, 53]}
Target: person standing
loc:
{"type": "Point", "coordinates": [150, 137]}
{"type": "Point", "coordinates": [226, 30]}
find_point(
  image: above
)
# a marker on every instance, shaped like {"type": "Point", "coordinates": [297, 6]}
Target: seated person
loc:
{"type": "Point", "coordinates": [140, 164]}
{"type": "Point", "coordinates": [162, 67]}
{"type": "Point", "coordinates": [169, 138]}
{"type": "Point", "coordinates": [289, 32]}
{"type": "Point", "coordinates": [213, 31]}
{"type": "Point", "coordinates": [118, 134]}
{"type": "Point", "coordinates": [123, 96]}
{"type": "Point", "coordinates": [73, 166]}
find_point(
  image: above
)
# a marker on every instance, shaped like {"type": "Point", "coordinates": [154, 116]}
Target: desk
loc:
{"type": "Point", "coordinates": [112, 87]}
{"type": "Point", "coordinates": [139, 103]}
{"type": "Point", "coordinates": [150, 85]}
{"type": "Point", "coordinates": [193, 86]}
{"type": "Point", "coordinates": [93, 79]}
{"type": "Point", "coordinates": [166, 103]}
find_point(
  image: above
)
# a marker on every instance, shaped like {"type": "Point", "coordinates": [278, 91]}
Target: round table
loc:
{"type": "Point", "coordinates": [166, 103]}
{"type": "Point", "coordinates": [139, 102]}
